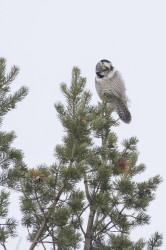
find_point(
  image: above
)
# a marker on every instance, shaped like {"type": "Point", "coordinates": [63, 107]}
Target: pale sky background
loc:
{"type": "Point", "coordinates": [47, 38]}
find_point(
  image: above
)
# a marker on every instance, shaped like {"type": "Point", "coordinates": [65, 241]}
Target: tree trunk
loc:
{"type": "Point", "coordinates": [89, 230]}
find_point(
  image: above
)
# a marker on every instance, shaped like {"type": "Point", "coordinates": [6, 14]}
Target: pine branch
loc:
{"type": "Point", "coordinates": [45, 221]}
{"type": "Point", "coordinates": [104, 228]}
{"type": "Point", "coordinates": [11, 76]}
{"type": "Point", "coordinates": [155, 241]}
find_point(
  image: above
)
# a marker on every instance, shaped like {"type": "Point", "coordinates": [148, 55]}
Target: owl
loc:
{"type": "Point", "coordinates": [110, 85]}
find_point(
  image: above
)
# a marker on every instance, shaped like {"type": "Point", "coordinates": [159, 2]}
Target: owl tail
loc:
{"type": "Point", "coordinates": [123, 112]}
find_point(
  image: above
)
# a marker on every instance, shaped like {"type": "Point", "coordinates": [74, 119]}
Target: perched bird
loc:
{"type": "Point", "coordinates": [110, 85]}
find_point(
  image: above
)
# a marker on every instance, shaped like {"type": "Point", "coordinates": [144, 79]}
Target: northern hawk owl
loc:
{"type": "Point", "coordinates": [110, 85]}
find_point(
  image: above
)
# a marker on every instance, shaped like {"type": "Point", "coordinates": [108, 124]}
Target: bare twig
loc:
{"type": "Point", "coordinates": [3, 244]}
{"type": "Point", "coordinates": [79, 221]}
{"type": "Point", "coordinates": [83, 210]}
{"type": "Point", "coordinates": [43, 245]}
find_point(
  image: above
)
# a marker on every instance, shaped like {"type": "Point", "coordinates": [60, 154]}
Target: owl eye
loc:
{"type": "Point", "coordinates": [106, 68]}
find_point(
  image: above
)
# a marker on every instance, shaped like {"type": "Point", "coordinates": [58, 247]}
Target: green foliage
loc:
{"type": "Point", "coordinates": [74, 119]}
{"type": "Point", "coordinates": [120, 242]}
{"type": "Point", "coordinates": [49, 192]}
{"type": "Point", "coordinates": [115, 201]}
{"type": "Point", "coordinates": [9, 101]}
{"type": "Point", "coordinates": [155, 241]}
{"type": "Point", "coordinates": [10, 158]}
{"type": "Point", "coordinates": [67, 238]}
{"type": "Point", "coordinates": [92, 178]}
{"type": "Point", "coordinates": [7, 225]}
{"type": "Point", "coordinates": [4, 202]}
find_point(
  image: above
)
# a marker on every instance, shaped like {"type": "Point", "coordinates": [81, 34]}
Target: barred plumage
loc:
{"type": "Point", "coordinates": [110, 84]}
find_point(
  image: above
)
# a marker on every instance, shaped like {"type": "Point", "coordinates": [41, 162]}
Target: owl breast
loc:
{"type": "Point", "coordinates": [111, 86]}
{"type": "Point", "coordinates": [99, 87]}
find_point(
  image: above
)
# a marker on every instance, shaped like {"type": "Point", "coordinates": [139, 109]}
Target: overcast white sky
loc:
{"type": "Point", "coordinates": [47, 38]}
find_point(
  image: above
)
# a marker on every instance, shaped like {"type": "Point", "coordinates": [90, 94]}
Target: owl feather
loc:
{"type": "Point", "coordinates": [109, 83]}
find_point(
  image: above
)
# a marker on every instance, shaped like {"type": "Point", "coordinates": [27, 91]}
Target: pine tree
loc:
{"type": "Point", "coordinates": [50, 200]}
{"type": "Point", "coordinates": [89, 195]}
{"type": "Point", "coordinates": [10, 158]}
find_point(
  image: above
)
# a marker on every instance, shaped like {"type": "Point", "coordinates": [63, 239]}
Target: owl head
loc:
{"type": "Point", "coordinates": [103, 68]}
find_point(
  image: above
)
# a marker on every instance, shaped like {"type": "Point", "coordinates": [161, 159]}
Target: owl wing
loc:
{"type": "Point", "coordinates": [114, 85]}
